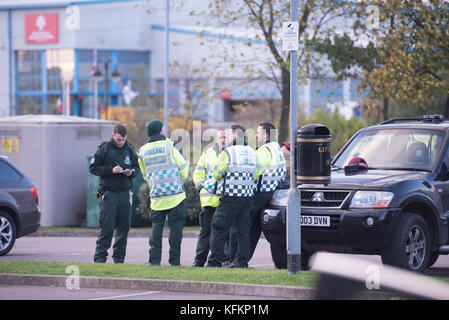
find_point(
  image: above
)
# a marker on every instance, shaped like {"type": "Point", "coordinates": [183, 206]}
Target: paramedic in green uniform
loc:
{"type": "Point", "coordinates": [116, 163]}
{"type": "Point", "coordinates": [165, 169]}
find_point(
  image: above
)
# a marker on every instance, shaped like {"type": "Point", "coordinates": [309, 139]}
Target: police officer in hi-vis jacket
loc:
{"type": "Point", "coordinates": [208, 188]}
{"type": "Point", "coordinates": [271, 162]}
{"type": "Point", "coordinates": [165, 169]}
{"type": "Point", "coordinates": [236, 167]}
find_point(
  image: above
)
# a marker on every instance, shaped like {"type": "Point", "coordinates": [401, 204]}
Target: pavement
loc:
{"type": "Point", "coordinates": [94, 233]}
{"type": "Point", "coordinates": [268, 291]}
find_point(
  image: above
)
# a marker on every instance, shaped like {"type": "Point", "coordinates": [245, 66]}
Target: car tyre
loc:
{"type": "Point", "coordinates": [433, 258]}
{"type": "Point", "coordinates": [409, 246]}
{"type": "Point", "coordinates": [279, 255]}
{"type": "Point", "coordinates": [7, 233]}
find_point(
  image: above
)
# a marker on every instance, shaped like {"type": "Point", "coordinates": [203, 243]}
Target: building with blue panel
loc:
{"type": "Point", "coordinates": [51, 48]}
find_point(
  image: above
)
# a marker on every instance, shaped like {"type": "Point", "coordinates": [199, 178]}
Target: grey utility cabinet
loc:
{"type": "Point", "coordinates": [52, 150]}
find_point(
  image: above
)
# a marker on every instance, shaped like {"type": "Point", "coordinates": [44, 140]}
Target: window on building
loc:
{"type": "Point", "coordinates": [134, 66]}
{"type": "Point", "coordinates": [60, 65]}
{"type": "Point", "coordinates": [29, 70]}
{"type": "Point", "coordinates": [85, 64]}
{"type": "Point", "coordinates": [41, 73]}
{"type": "Point", "coordinates": [28, 104]}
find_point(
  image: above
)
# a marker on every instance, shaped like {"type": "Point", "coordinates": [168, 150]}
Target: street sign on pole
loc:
{"type": "Point", "coordinates": [290, 36]}
{"type": "Point", "coordinates": [167, 57]}
{"type": "Point", "coordinates": [293, 194]}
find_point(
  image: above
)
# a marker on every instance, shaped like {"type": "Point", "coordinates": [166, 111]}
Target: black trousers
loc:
{"type": "Point", "coordinates": [115, 215]}
{"type": "Point", "coordinates": [230, 210]}
{"type": "Point", "coordinates": [259, 202]}
{"type": "Point", "coordinates": [202, 246]}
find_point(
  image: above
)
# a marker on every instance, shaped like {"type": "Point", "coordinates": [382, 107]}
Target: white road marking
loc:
{"type": "Point", "coordinates": [126, 295]}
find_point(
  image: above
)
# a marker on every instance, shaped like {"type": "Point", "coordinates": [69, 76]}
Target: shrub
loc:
{"type": "Point", "coordinates": [340, 129]}
{"type": "Point", "coordinates": [192, 202]}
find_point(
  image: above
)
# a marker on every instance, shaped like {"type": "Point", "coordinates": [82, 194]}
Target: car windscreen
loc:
{"type": "Point", "coordinates": [395, 149]}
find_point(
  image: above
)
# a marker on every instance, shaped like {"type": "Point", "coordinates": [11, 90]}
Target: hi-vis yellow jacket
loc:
{"type": "Point", "coordinates": [164, 168]}
{"type": "Point", "coordinates": [236, 166]}
{"type": "Point", "coordinates": [271, 161]}
{"type": "Point", "coordinates": [203, 179]}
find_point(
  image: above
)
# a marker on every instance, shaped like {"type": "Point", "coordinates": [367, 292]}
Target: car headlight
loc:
{"type": "Point", "coordinates": [279, 198]}
{"type": "Point", "coordinates": [371, 199]}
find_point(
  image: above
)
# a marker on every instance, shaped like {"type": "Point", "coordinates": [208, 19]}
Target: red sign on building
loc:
{"type": "Point", "coordinates": [41, 27]}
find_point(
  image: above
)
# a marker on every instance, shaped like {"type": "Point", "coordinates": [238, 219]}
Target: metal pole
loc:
{"type": "Point", "coordinates": [95, 99]}
{"type": "Point", "coordinates": [167, 24]}
{"type": "Point", "coordinates": [294, 197]}
{"type": "Point", "coordinates": [95, 86]}
{"type": "Point", "coordinates": [106, 88]}
{"type": "Point", "coordinates": [67, 98]}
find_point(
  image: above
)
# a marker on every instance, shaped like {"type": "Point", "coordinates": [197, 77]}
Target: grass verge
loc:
{"type": "Point", "coordinates": [251, 276]}
{"type": "Point", "coordinates": [146, 229]}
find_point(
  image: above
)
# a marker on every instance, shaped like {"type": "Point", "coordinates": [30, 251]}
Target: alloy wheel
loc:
{"type": "Point", "coordinates": [5, 233]}
{"type": "Point", "coordinates": [415, 247]}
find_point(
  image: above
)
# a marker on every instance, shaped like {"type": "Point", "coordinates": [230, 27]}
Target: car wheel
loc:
{"type": "Point", "coordinates": [7, 233]}
{"type": "Point", "coordinates": [433, 258]}
{"type": "Point", "coordinates": [305, 258]}
{"type": "Point", "coordinates": [279, 255]}
{"type": "Point", "coordinates": [409, 247]}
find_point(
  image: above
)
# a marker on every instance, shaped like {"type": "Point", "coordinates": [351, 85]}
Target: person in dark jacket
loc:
{"type": "Point", "coordinates": [116, 163]}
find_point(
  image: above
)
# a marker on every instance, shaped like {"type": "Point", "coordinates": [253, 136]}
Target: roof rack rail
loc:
{"type": "Point", "coordinates": [426, 118]}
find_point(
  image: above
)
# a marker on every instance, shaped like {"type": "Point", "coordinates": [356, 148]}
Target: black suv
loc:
{"type": "Point", "coordinates": [19, 212]}
{"type": "Point", "coordinates": [397, 207]}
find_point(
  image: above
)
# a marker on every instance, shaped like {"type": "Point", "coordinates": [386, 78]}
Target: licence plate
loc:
{"type": "Point", "coordinates": [316, 221]}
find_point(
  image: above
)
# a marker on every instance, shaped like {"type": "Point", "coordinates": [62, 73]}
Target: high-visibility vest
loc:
{"type": "Point", "coordinates": [164, 168]}
{"type": "Point", "coordinates": [238, 179]}
{"type": "Point", "coordinates": [276, 171]}
{"type": "Point", "coordinates": [204, 181]}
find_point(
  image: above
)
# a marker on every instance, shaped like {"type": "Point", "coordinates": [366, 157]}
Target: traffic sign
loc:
{"type": "Point", "coordinates": [290, 36]}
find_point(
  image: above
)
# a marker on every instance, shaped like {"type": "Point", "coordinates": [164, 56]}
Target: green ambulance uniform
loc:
{"type": "Point", "coordinates": [164, 168]}
{"type": "Point", "coordinates": [205, 182]}
{"type": "Point", "coordinates": [116, 202]}
{"type": "Point", "coordinates": [271, 161]}
{"type": "Point", "coordinates": [236, 165]}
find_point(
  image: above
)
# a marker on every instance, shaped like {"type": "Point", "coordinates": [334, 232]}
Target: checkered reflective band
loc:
{"type": "Point", "coordinates": [239, 184]}
{"type": "Point", "coordinates": [276, 172]}
{"type": "Point", "coordinates": [239, 176]}
{"type": "Point", "coordinates": [211, 185]}
{"type": "Point", "coordinates": [165, 183]}
{"type": "Point", "coordinates": [272, 178]}
{"type": "Point", "coordinates": [163, 177]}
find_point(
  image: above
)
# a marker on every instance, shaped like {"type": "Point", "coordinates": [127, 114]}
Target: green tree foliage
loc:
{"type": "Point", "coordinates": [265, 17]}
{"type": "Point", "coordinates": [340, 129]}
{"type": "Point", "coordinates": [405, 55]}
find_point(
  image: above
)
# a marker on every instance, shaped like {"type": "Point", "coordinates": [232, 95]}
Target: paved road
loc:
{"type": "Point", "coordinates": [8, 292]}
{"type": "Point", "coordinates": [76, 249]}
{"type": "Point", "coordinates": [81, 249]}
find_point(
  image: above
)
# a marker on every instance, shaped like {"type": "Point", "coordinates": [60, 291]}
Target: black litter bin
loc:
{"type": "Point", "coordinates": [313, 155]}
